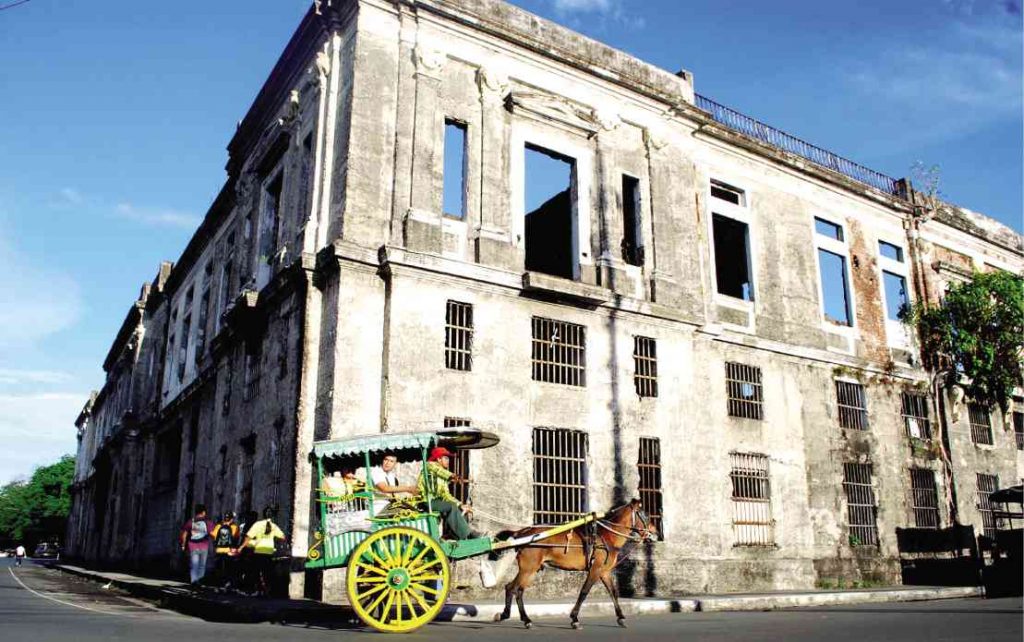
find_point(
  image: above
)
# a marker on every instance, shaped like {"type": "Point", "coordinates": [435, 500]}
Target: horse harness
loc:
{"type": "Point", "coordinates": [591, 540]}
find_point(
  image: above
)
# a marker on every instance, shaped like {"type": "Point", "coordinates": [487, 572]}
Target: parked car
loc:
{"type": "Point", "coordinates": [47, 551]}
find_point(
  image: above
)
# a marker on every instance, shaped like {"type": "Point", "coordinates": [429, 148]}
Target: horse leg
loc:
{"type": "Point", "coordinates": [574, 616]}
{"type": "Point", "coordinates": [527, 622]}
{"type": "Point", "coordinates": [613, 590]}
{"type": "Point", "coordinates": [509, 590]}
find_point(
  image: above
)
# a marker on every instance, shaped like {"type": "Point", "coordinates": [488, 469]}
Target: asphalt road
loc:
{"type": "Point", "coordinates": [41, 605]}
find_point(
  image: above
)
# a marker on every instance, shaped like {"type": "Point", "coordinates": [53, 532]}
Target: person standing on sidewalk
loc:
{"type": "Point", "coordinates": [195, 538]}
{"type": "Point", "coordinates": [263, 537]}
{"type": "Point", "coordinates": [19, 555]}
{"type": "Point", "coordinates": [226, 538]}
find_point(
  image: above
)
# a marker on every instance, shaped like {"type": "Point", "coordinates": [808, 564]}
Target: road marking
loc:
{"type": "Point", "coordinates": [53, 599]}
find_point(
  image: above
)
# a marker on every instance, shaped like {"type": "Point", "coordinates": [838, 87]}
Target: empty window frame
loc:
{"type": "Point", "coordinates": [914, 409]}
{"type": "Point", "coordinates": [730, 232]}
{"type": "Point", "coordinates": [987, 484]}
{"type": "Point", "coordinates": [559, 475]}
{"type": "Point", "coordinates": [832, 271]}
{"type": "Point", "coordinates": [204, 312]}
{"type": "Point", "coordinates": [559, 352]}
{"type": "Point", "coordinates": [744, 391]}
{"type": "Point", "coordinates": [860, 504]}
{"type": "Point", "coordinates": [895, 296]}
{"type": "Point", "coordinates": [924, 498]}
{"type": "Point", "coordinates": [751, 500]}
{"type": "Point", "coordinates": [1018, 423]}
{"type": "Point", "coordinates": [649, 469]}
{"type": "Point", "coordinates": [853, 406]}
{"type": "Point", "coordinates": [459, 463]}
{"type": "Point", "coordinates": [632, 235]}
{"type": "Point", "coordinates": [645, 366]}
{"type": "Point", "coordinates": [453, 201]}
{"type": "Point", "coordinates": [270, 206]}
{"type": "Point", "coordinates": [458, 336]}
{"type": "Point", "coordinates": [550, 210]}
{"type": "Point", "coordinates": [981, 423]}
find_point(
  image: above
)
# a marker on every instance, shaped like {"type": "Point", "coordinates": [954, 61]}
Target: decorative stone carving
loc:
{"type": "Point", "coordinates": [655, 139]}
{"type": "Point", "coordinates": [491, 82]}
{"type": "Point", "coordinates": [323, 64]}
{"type": "Point", "coordinates": [553, 109]}
{"type": "Point", "coordinates": [606, 119]}
{"type": "Point", "coordinates": [428, 61]}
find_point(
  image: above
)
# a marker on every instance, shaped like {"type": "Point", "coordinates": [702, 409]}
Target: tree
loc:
{"type": "Point", "coordinates": [37, 509]}
{"type": "Point", "coordinates": [974, 338]}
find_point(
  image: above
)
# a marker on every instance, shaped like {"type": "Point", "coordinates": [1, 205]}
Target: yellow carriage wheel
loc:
{"type": "Point", "coordinates": [398, 579]}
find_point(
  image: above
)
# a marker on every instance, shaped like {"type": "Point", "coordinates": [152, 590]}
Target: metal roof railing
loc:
{"type": "Point", "coordinates": [786, 142]}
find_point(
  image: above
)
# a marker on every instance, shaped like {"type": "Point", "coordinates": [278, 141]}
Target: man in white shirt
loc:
{"type": "Point", "coordinates": [385, 483]}
{"type": "Point", "coordinates": [19, 555]}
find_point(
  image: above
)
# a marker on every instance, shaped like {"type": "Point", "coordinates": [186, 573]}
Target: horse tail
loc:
{"type": "Point", "coordinates": [504, 535]}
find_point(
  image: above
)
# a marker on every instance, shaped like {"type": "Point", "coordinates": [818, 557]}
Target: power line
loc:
{"type": "Point", "coordinates": [13, 4]}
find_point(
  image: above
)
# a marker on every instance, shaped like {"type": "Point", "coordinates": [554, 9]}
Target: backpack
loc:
{"type": "Point", "coordinates": [225, 536]}
{"type": "Point", "coordinates": [198, 532]}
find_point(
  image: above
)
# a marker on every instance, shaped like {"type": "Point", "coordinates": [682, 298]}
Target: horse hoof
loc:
{"type": "Point", "coordinates": [528, 625]}
{"type": "Point", "coordinates": [498, 617]}
{"type": "Point", "coordinates": [622, 622]}
{"type": "Point", "coordinates": [577, 625]}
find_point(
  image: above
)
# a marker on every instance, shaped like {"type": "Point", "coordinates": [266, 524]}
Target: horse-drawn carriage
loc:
{"type": "Point", "coordinates": [398, 571]}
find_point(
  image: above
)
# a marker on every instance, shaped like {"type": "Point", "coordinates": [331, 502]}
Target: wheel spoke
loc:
{"type": "Point", "coordinates": [412, 565]}
{"type": "Point", "coordinates": [427, 577]}
{"type": "Point", "coordinates": [372, 569]}
{"type": "Point", "coordinates": [407, 553]}
{"type": "Point", "coordinates": [368, 593]}
{"type": "Point", "coordinates": [387, 606]}
{"type": "Point", "coordinates": [424, 566]}
{"type": "Point", "coordinates": [375, 579]}
{"type": "Point", "coordinates": [424, 587]}
{"type": "Point", "coordinates": [372, 553]}
{"type": "Point", "coordinates": [376, 603]}
{"type": "Point", "coordinates": [418, 597]}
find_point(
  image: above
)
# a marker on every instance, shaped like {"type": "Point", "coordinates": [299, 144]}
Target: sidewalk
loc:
{"type": "Point", "coordinates": [227, 607]}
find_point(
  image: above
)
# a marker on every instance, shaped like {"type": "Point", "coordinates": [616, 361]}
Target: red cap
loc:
{"type": "Point", "coordinates": [438, 453]}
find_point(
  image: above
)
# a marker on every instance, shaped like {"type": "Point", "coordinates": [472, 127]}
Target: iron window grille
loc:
{"type": "Point", "coordinates": [751, 500]}
{"type": "Point", "coordinates": [1018, 426]}
{"type": "Point", "coordinates": [981, 423]}
{"type": "Point", "coordinates": [645, 364]}
{"type": "Point", "coordinates": [987, 484]}
{"type": "Point", "coordinates": [251, 383]}
{"type": "Point", "coordinates": [860, 503]}
{"type": "Point", "coordinates": [559, 475]}
{"type": "Point", "coordinates": [458, 336]}
{"type": "Point", "coordinates": [459, 463]}
{"type": "Point", "coordinates": [745, 393]}
{"type": "Point", "coordinates": [559, 352]}
{"type": "Point", "coordinates": [853, 407]}
{"type": "Point", "coordinates": [915, 415]}
{"type": "Point", "coordinates": [649, 468]}
{"type": "Point", "coordinates": [924, 498]}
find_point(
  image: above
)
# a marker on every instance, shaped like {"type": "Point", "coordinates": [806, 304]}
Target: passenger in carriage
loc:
{"type": "Point", "coordinates": [435, 477]}
{"type": "Point", "coordinates": [385, 478]}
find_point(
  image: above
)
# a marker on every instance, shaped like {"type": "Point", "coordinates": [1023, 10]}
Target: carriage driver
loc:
{"type": "Point", "coordinates": [437, 475]}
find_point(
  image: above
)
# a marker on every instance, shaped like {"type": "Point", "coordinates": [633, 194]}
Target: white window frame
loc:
{"type": "Point", "coordinates": [896, 332]}
{"type": "Point", "coordinates": [742, 214]}
{"type": "Point", "coordinates": [842, 248]}
{"type": "Point", "coordinates": [522, 135]}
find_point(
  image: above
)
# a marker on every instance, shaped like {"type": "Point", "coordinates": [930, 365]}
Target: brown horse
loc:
{"type": "Point", "coordinates": [595, 548]}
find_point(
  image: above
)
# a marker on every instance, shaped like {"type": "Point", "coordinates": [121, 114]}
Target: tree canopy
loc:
{"type": "Point", "coordinates": [37, 509]}
{"type": "Point", "coordinates": [976, 334]}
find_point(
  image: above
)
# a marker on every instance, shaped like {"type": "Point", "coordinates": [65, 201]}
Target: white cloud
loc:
{"type": "Point", "coordinates": [158, 216]}
{"type": "Point", "coordinates": [37, 429]}
{"type": "Point", "coordinates": [603, 10]}
{"type": "Point", "coordinates": [569, 6]}
{"type": "Point", "coordinates": [71, 196]}
{"type": "Point", "coordinates": [37, 300]}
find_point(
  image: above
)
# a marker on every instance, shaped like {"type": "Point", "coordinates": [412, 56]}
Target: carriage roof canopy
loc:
{"type": "Point", "coordinates": [459, 438]}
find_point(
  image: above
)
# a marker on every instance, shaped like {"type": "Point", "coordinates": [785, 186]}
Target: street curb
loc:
{"type": "Point", "coordinates": [221, 609]}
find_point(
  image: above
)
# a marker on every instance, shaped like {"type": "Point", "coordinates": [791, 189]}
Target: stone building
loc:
{"type": "Point", "coordinates": [449, 211]}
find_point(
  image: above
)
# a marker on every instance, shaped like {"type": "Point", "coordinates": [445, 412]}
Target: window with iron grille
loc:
{"type": "Point", "coordinates": [853, 406]}
{"type": "Point", "coordinates": [645, 363]}
{"type": "Point", "coordinates": [649, 467]}
{"type": "Point", "coordinates": [924, 498]}
{"type": "Point", "coordinates": [752, 520]}
{"type": "Point", "coordinates": [745, 395]}
{"type": "Point", "coordinates": [458, 336]}
{"type": "Point", "coordinates": [981, 423]}
{"type": "Point", "coordinates": [459, 463]}
{"type": "Point", "coordinates": [987, 484]}
{"type": "Point", "coordinates": [860, 503]}
{"type": "Point", "coordinates": [915, 415]}
{"type": "Point", "coordinates": [251, 382]}
{"type": "Point", "coordinates": [1018, 424]}
{"type": "Point", "coordinates": [559, 475]}
{"type": "Point", "coordinates": [559, 352]}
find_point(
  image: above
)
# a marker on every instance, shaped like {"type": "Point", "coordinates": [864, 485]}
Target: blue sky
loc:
{"type": "Point", "coordinates": [115, 116]}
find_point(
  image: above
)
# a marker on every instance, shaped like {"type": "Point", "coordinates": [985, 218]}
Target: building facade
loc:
{"type": "Point", "coordinates": [445, 211]}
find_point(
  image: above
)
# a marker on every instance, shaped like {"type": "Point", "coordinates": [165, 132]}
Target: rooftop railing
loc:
{"type": "Point", "coordinates": [786, 142]}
